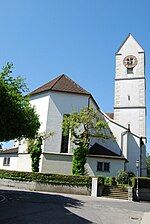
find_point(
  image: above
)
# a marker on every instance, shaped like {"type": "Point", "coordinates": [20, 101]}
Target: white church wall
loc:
{"type": "Point", "coordinates": [115, 145]}
{"type": "Point", "coordinates": [60, 104]}
{"type": "Point", "coordinates": [133, 152]}
{"type": "Point", "coordinates": [136, 115]}
{"type": "Point", "coordinates": [40, 102]}
{"type": "Point", "coordinates": [24, 162]}
{"type": "Point", "coordinates": [57, 163]}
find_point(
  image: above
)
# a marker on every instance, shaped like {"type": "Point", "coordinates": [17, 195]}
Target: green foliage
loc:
{"type": "Point", "coordinates": [83, 126]}
{"type": "Point", "coordinates": [108, 180]}
{"type": "Point", "coordinates": [17, 118]}
{"type": "Point", "coordinates": [124, 177]}
{"type": "Point", "coordinates": [49, 178]}
{"type": "Point", "coordinates": [35, 149]}
{"type": "Point", "coordinates": [35, 153]}
{"type": "Point", "coordinates": [79, 159]}
{"type": "Point", "coordinates": [86, 124]}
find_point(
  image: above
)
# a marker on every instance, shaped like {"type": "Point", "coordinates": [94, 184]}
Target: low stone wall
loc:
{"type": "Point", "coordinates": [144, 194]}
{"type": "Point", "coordinates": [47, 187]}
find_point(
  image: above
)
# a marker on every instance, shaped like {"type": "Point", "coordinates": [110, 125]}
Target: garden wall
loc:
{"type": "Point", "coordinates": [36, 186]}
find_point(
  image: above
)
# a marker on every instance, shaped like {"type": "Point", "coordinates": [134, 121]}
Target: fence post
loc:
{"type": "Point", "coordinates": [94, 187]}
{"type": "Point", "coordinates": [130, 197]}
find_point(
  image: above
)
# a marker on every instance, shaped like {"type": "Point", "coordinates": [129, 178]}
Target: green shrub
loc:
{"type": "Point", "coordinates": [108, 180]}
{"type": "Point", "coordinates": [124, 177]}
{"type": "Point", "coordinates": [49, 178]}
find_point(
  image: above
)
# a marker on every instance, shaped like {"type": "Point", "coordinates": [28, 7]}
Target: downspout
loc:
{"type": "Point", "coordinates": [141, 154]}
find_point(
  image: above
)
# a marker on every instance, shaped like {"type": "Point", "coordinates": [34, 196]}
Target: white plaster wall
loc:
{"type": "Point", "coordinates": [57, 163]}
{"type": "Point", "coordinates": [134, 117]}
{"type": "Point", "coordinates": [60, 104]}
{"type": "Point", "coordinates": [133, 152]}
{"type": "Point", "coordinates": [115, 166]}
{"type": "Point", "coordinates": [133, 88]}
{"type": "Point", "coordinates": [13, 161]}
{"type": "Point", "coordinates": [41, 103]}
{"type": "Point", "coordinates": [128, 143]}
{"type": "Point", "coordinates": [62, 164]}
{"type": "Point", "coordinates": [24, 163]}
{"type": "Point", "coordinates": [117, 131]}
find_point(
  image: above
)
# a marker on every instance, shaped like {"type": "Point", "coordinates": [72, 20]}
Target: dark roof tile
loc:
{"type": "Point", "coordinates": [111, 115]}
{"type": "Point", "coordinates": [62, 84]}
{"type": "Point", "coordinates": [9, 151]}
{"type": "Point", "coordinates": [97, 149]}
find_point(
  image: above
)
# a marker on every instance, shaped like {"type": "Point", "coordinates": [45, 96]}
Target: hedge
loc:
{"type": "Point", "coordinates": [49, 178]}
{"type": "Point", "coordinates": [143, 182]}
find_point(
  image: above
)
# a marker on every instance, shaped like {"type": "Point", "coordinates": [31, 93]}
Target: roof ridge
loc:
{"type": "Point", "coordinates": [62, 83]}
{"type": "Point", "coordinates": [58, 78]}
{"type": "Point", "coordinates": [129, 35]}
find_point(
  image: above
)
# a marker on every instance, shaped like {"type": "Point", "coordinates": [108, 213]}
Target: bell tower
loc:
{"type": "Point", "coordinates": [130, 99]}
{"type": "Point", "coordinates": [130, 86]}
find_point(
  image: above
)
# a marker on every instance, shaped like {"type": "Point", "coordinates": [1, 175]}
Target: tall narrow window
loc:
{"type": "Point", "coordinates": [106, 167]}
{"type": "Point", "coordinates": [129, 98]}
{"type": "Point", "coordinates": [65, 141]}
{"type": "Point", "coordinates": [6, 161]}
{"type": "Point", "coordinates": [99, 166]}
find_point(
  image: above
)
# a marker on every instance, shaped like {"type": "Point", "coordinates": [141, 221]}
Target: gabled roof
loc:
{"type": "Point", "coordinates": [9, 151]}
{"type": "Point", "coordinates": [98, 149]}
{"type": "Point", "coordinates": [62, 84]}
{"type": "Point", "coordinates": [129, 35]}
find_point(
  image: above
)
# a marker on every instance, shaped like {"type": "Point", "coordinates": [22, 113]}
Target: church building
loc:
{"type": "Point", "coordinates": [62, 96]}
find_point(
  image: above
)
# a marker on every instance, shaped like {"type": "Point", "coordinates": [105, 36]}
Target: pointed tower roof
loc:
{"type": "Point", "coordinates": [131, 38]}
{"type": "Point", "coordinates": [61, 84]}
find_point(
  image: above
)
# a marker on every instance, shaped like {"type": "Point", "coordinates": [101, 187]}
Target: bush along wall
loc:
{"type": "Point", "coordinates": [49, 178]}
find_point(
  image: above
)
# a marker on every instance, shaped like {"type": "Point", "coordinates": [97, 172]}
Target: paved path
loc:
{"type": "Point", "coordinates": [146, 218]}
{"type": "Point", "coordinates": [26, 207]}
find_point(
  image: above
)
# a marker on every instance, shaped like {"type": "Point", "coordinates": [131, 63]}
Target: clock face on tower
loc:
{"type": "Point", "coordinates": [130, 61]}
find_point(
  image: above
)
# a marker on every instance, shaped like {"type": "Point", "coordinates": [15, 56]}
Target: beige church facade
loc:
{"type": "Point", "coordinates": [128, 122]}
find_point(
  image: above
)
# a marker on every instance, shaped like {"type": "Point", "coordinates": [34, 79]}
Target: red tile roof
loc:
{"type": "Point", "coordinates": [62, 84]}
{"type": "Point", "coordinates": [111, 115]}
{"type": "Point", "coordinates": [9, 151]}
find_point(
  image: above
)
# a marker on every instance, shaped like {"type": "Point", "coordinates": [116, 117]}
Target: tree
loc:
{"type": "Point", "coordinates": [18, 118]}
{"type": "Point", "coordinates": [83, 126]}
